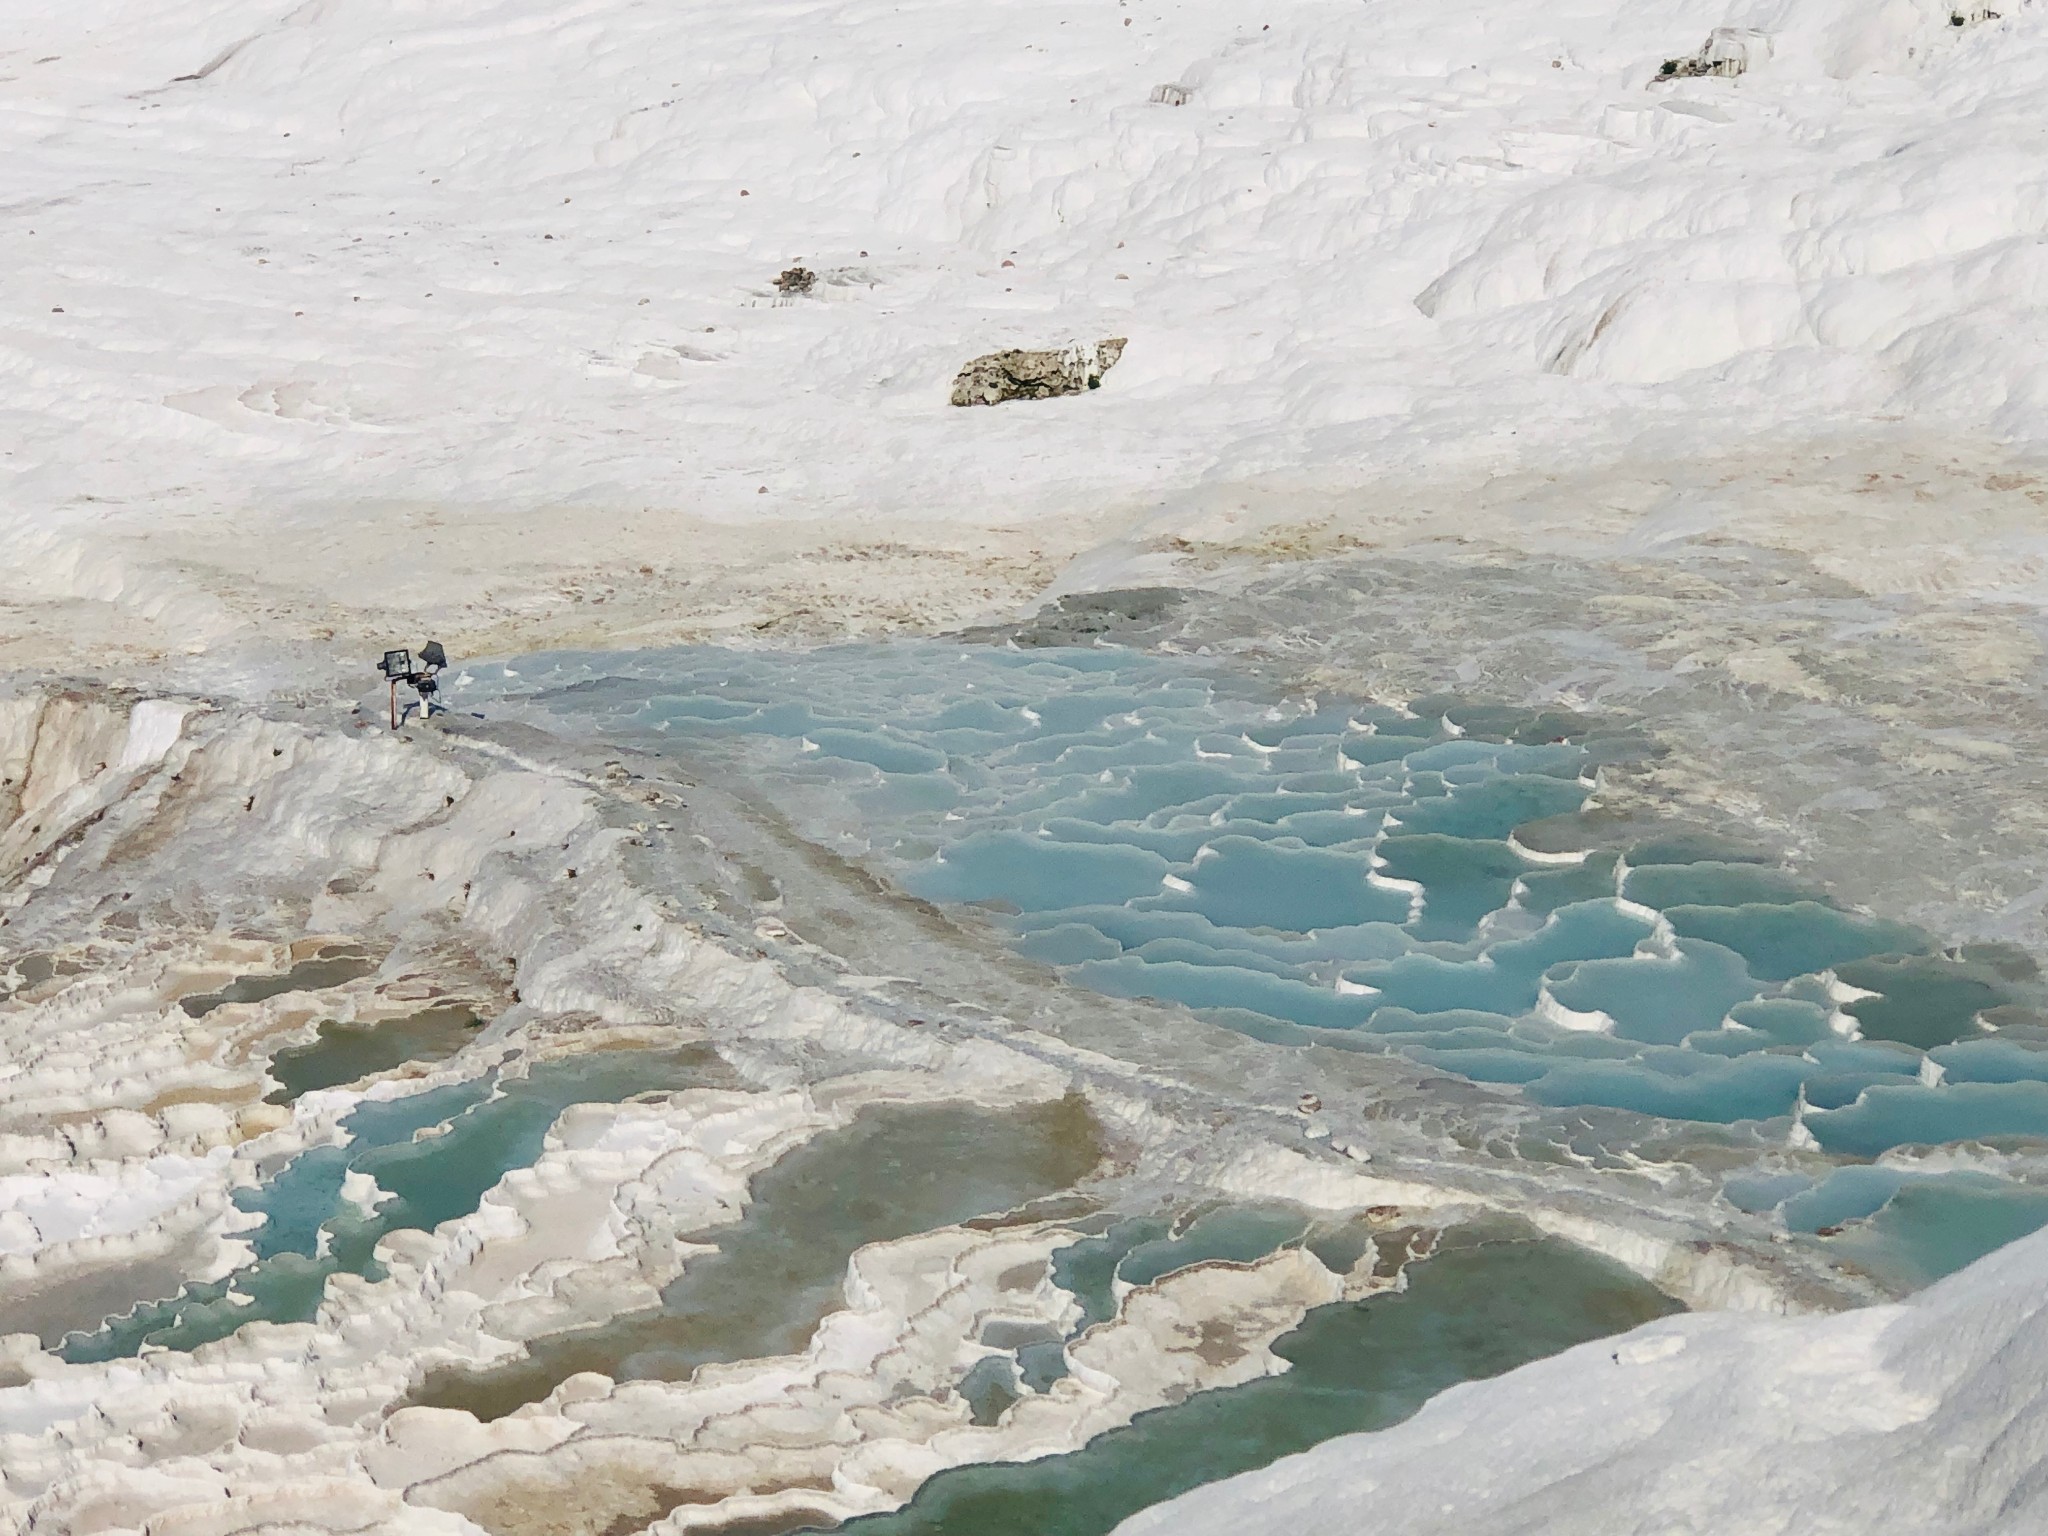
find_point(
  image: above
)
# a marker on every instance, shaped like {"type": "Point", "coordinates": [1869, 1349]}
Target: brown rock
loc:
{"type": "Point", "coordinates": [1029, 375]}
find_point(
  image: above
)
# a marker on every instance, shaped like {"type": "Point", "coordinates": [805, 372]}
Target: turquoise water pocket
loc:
{"type": "Point", "coordinates": [1424, 882]}
{"type": "Point", "coordinates": [485, 1130]}
{"type": "Point", "coordinates": [1473, 1310]}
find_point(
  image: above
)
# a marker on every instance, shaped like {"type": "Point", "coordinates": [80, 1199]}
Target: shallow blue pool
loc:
{"type": "Point", "coordinates": [1323, 870]}
{"type": "Point", "coordinates": [434, 1155]}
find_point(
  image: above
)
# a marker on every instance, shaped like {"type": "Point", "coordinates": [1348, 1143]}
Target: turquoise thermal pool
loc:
{"type": "Point", "coordinates": [1482, 1305]}
{"type": "Point", "coordinates": [478, 1131]}
{"type": "Point", "coordinates": [348, 1052]}
{"type": "Point", "coordinates": [897, 1170]}
{"type": "Point", "coordinates": [1321, 870]}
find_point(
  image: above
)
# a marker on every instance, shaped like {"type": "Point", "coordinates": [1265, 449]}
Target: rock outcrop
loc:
{"type": "Point", "coordinates": [1029, 375]}
{"type": "Point", "coordinates": [1727, 52]}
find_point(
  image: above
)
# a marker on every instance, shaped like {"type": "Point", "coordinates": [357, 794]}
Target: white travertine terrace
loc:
{"type": "Point", "coordinates": [330, 320]}
{"type": "Point", "coordinates": [132, 1122]}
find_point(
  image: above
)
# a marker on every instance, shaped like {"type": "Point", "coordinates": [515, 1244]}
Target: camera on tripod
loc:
{"type": "Point", "coordinates": [398, 667]}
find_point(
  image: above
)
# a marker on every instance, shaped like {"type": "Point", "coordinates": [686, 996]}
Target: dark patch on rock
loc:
{"type": "Point", "coordinates": [1727, 52]}
{"type": "Point", "coordinates": [1036, 375]}
{"type": "Point", "coordinates": [1085, 617]}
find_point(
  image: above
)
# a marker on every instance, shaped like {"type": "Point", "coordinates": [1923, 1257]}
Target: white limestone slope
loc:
{"type": "Point", "coordinates": [465, 311]}
{"type": "Point", "coordinates": [1926, 1417]}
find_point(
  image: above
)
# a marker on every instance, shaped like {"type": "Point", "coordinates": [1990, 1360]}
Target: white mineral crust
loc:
{"type": "Point", "coordinates": [331, 320]}
{"type": "Point", "coordinates": [468, 313]}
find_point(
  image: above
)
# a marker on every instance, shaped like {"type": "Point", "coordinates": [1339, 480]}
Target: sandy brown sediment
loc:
{"type": "Point", "coordinates": [1884, 512]}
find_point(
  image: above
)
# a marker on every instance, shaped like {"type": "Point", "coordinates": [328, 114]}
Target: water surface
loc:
{"type": "Point", "coordinates": [1326, 871]}
{"type": "Point", "coordinates": [334, 966]}
{"type": "Point", "coordinates": [896, 1171]}
{"type": "Point", "coordinates": [483, 1129]}
{"type": "Point", "coordinates": [1477, 1308]}
{"type": "Point", "coordinates": [347, 1052]}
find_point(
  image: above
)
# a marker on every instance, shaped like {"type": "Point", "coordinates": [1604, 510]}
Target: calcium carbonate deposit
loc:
{"type": "Point", "coordinates": [1404, 884]}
